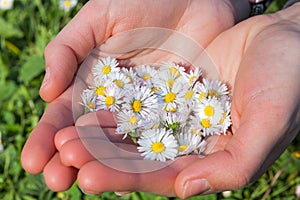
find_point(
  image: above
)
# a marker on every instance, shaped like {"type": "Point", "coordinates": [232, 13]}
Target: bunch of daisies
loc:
{"type": "Point", "coordinates": [167, 111]}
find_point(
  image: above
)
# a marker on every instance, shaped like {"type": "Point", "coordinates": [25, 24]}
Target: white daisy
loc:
{"type": "Point", "coordinates": [120, 80]}
{"type": "Point", "coordinates": [146, 73]}
{"type": "Point", "coordinates": [127, 122]}
{"type": "Point", "coordinates": [131, 75]}
{"type": "Point", "coordinates": [188, 143]}
{"type": "Point", "coordinates": [204, 126]}
{"type": "Point", "coordinates": [215, 88]}
{"type": "Point", "coordinates": [111, 100]}
{"type": "Point", "coordinates": [225, 121]}
{"type": "Point", "coordinates": [105, 67]}
{"type": "Point", "coordinates": [89, 100]}
{"type": "Point", "coordinates": [175, 70]}
{"type": "Point", "coordinates": [200, 91]}
{"type": "Point", "coordinates": [210, 108]}
{"type": "Point", "coordinates": [100, 86]}
{"type": "Point", "coordinates": [142, 101]}
{"type": "Point", "coordinates": [6, 4]}
{"type": "Point", "coordinates": [66, 5]}
{"type": "Point", "coordinates": [170, 98]}
{"type": "Point", "coordinates": [157, 144]}
{"type": "Point", "coordinates": [192, 76]}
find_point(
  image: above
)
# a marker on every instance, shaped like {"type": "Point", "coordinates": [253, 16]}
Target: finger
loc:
{"type": "Point", "coordinates": [93, 144]}
{"type": "Point", "coordinates": [260, 118]}
{"type": "Point", "coordinates": [102, 118]}
{"type": "Point", "coordinates": [96, 177]}
{"type": "Point", "coordinates": [64, 135]}
{"type": "Point", "coordinates": [40, 144]}
{"type": "Point", "coordinates": [71, 46]}
{"type": "Point", "coordinates": [57, 176]}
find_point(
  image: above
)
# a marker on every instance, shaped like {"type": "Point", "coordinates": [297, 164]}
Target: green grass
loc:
{"type": "Point", "coordinates": [23, 37]}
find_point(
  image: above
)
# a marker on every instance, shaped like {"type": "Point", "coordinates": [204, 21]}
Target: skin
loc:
{"type": "Point", "coordinates": [258, 57]}
{"type": "Point", "coordinates": [96, 22]}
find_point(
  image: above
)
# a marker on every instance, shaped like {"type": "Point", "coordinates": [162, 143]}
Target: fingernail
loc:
{"type": "Point", "coordinates": [195, 187]}
{"type": "Point", "coordinates": [47, 77]}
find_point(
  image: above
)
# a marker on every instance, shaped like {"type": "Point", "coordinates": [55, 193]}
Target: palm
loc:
{"type": "Point", "coordinates": [260, 82]}
{"type": "Point", "coordinates": [97, 22]}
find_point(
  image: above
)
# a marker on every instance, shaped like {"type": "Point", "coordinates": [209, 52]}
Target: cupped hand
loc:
{"type": "Point", "coordinates": [96, 22]}
{"type": "Point", "coordinates": [259, 58]}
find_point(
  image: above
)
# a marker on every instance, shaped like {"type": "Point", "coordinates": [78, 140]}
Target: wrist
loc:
{"type": "Point", "coordinates": [240, 9]}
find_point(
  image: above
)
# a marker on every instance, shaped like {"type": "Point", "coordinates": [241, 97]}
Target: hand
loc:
{"type": "Point", "coordinates": [95, 23]}
{"type": "Point", "coordinates": [259, 59]}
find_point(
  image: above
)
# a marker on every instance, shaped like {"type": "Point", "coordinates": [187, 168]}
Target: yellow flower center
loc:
{"type": "Point", "coordinates": [154, 89]}
{"type": "Point", "coordinates": [209, 111]}
{"type": "Point", "coordinates": [119, 83]}
{"type": "Point", "coordinates": [133, 120]}
{"type": "Point", "coordinates": [223, 118]}
{"type": "Point", "coordinates": [188, 95]}
{"type": "Point", "coordinates": [182, 148]}
{"type": "Point", "coordinates": [213, 93]}
{"type": "Point", "coordinates": [157, 147]}
{"type": "Point", "coordinates": [4, 3]}
{"type": "Point", "coordinates": [109, 100]}
{"type": "Point", "coordinates": [170, 97]}
{"type": "Point", "coordinates": [205, 123]}
{"type": "Point", "coordinates": [91, 105]}
{"type": "Point", "coordinates": [297, 154]}
{"type": "Point", "coordinates": [201, 96]}
{"type": "Point", "coordinates": [146, 77]}
{"type": "Point", "coordinates": [172, 110]}
{"type": "Point", "coordinates": [174, 72]}
{"type": "Point", "coordinates": [100, 90]}
{"type": "Point", "coordinates": [136, 106]}
{"type": "Point", "coordinates": [67, 3]}
{"type": "Point", "coordinates": [170, 83]}
{"type": "Point", "coordinates": [106, 69]}
{"type": "Point", "coordinates": [192, 80]}
{"type": "Point", "coordinates": [194, 131]}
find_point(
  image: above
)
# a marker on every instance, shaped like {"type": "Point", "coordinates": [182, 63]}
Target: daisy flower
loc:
{"type": "Point", "coordinates": [128, 122]}
{"type": "Point", "coordinates": [130, 74]}
{"type": "Point", "coordinates": [225, 121]}
{"type": "Point", "coordinates": [170, 97]}
{"type": "Point", "coordinates": [111, 100]}
{"type": "Point", "coordinates": [174, 70]}
{"type": "Point", "coordinates": [105, 67]}
{"type": "Point", "coordinates": [204, 126]}
{"type": "Point", "coordinates": [120, 80]}
{"type": "Point", "coordinates": [200, 91]}
{"type": "Point", "coordinates": [100, 86]}
{"type": "Point", "coordinates": [6, 4]}
{"type": "Point", "coordinates": [146, 73]}
{"type": "Point", "coordinates": [211, 109]}
{"type": "Point", "coordinates": [66, 5]}
{"type": "Point", "coordinates": [192, 76]}
{"type": "Point", "coordinates": [188, 143]}
{"type": "Point", "coordinates": [215, 88]}
{"type": "Point", "coordinates": [157, 144]}
{"type": "Point", "coordinates": [89, 100]}
{"type": "Point", "coordinates": [142, 101]}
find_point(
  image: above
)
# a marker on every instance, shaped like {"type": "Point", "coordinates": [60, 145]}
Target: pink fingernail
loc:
{"type": "Point", "coordinates": [47, 77]}
{"type": "Point", "coordinates": [195, 187]}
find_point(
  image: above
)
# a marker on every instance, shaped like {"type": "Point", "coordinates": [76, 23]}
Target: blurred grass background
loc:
{"type": "Point", "coordinates": [25, 30]}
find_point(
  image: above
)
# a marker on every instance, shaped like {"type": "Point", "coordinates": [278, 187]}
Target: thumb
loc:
{"type": "Point", "coordinates": [68, 49]}
{"type": "Point", "coordinates": [245, 157]}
